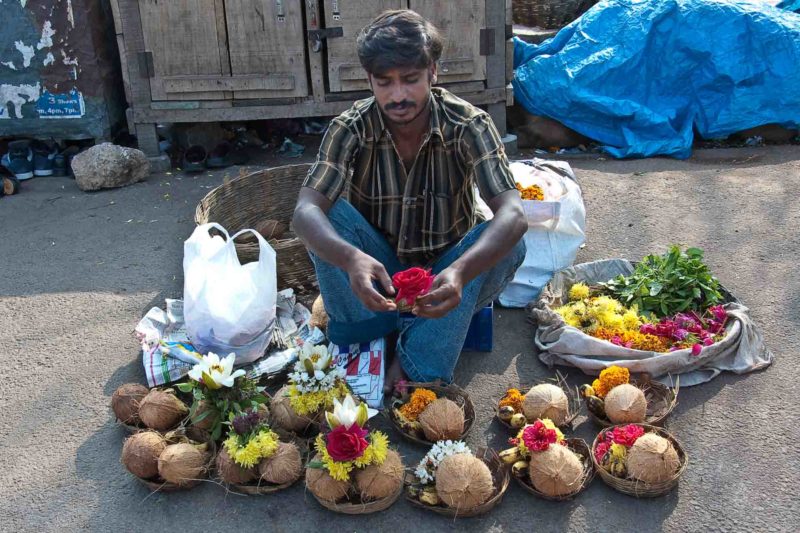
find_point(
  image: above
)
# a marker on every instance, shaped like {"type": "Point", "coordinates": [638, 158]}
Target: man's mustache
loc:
{"type": "Point", "coordinates": [400, 105]}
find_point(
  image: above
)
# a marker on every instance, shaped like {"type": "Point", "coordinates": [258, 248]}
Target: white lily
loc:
{"type": "Point", "coordinates": [346, 413]}
{"type": "Point", "coordinates": [315, 360]}
{"type": "Point", "coordinates": [215, 373]}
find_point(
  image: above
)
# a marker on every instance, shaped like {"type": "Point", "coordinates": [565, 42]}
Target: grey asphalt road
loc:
{"type": "Point", "coordinates": [78, 270]}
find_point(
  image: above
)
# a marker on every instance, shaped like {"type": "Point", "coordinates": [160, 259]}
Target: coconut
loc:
{"type": "Point", "coordinates": [284, 466]}
{"type": "Point", "coordinates": [625, 404]}
{"type": "Point", "coordinates": [556, 471]}
{"type": "Point", "coordinates": [208, 420]}
{"type": "Point", "coordinates": [181, 463]}
{"type": "Point", "coordinates": [161, 410]}
{"type": "Point", "coordinates": [380, 481]}
{"type": "Point", "coordinates": [230, 472]}
{"type": "Point", "coordinates": [652, 459]}
{"type": "Point", "coordinates": [463, 481]}
{"type": "Point", "coordinates": [319, 316]}
{"type": "Point", "coordinates": [443, 419]}
{"type": "Point", "coordinates": [323, 486]}
{"type": "Point", "coordinates": [140, 453]}
{"type": "Point", "coordinates": [125, 402]}
{"type": "Point", "coordinates": [546, 401]}
{"type": "Point", "coordinates": [284, 415]}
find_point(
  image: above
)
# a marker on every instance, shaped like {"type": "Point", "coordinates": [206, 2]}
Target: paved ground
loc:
{"type": "Point", "coordinates": [79, 270]}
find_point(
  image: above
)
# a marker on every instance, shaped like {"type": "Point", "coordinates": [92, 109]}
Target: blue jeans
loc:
{"type": "Point", "coordinates": [428, 348]}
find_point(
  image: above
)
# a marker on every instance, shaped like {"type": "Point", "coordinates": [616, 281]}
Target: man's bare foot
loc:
{"type": "Point", "coordinates": [394, 373]}
{"type": "Point", "coordinates": [394, 370]}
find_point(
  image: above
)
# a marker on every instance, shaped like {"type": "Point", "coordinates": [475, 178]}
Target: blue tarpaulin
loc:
{"type": "Point", "coordinates": [637, 76]}
{"type": "Point", "coordinates": [791, 5]}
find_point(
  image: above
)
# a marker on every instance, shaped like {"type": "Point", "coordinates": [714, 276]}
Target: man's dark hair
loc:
{"type": "Point", "coordinates": [398, 39]}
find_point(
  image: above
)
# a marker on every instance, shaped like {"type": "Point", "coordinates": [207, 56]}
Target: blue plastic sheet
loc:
{"type": "Point", "coordinates": [637, 75]}
{"type": "Point", "coordinates": [791, 5]}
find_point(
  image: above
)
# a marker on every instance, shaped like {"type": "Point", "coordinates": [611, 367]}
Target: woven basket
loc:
{"type": "Point", "coordinates": [580, 448]}
{"type": "Point", "coordinates": [260, 487]}
{"type": "Point", "coordinates": [551, 14]}
{"type": "Point", "coordinates": [358, 507]}
{"type": "Point", "coordinates": [500, 477]}
{"type": "Point", "coordinates": [573, 395]}
{"type": "Point", "coordinates": [159, 485]}
{"type": "Point", "coordinates": [661, 401]}
{"type": "Point", "coordinates": [451, 392]}
{"type": "Point", "coordinates": [268, 194]}
{"type": "Point", "coordinates": [640, 489]}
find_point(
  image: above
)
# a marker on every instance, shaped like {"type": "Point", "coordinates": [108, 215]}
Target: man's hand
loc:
{"type": "Point", "coordinates": [363, 271]}
{"type": "Point", "coordinates": [444, 296]}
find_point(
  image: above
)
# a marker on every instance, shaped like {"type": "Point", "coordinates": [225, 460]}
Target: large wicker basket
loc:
{"type": "Point", "coordinates": [268, 194]}
{"type": "Point", "coordinates": [551, 14]}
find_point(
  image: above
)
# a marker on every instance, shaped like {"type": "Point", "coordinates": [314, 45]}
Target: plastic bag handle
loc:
{"type": "Point", "coordinates": [263, 245]}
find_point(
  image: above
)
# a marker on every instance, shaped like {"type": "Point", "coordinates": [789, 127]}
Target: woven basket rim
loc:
{"type": "Point", "coordinates": [450, 391]}
{"type": "Point", "coordinates": [259, 486]}
{"type": "Point", "coordinates": [640, 489]}
{"type": "Point", "coordinates": [500, 476]}
{"type": "Point", "coordinates": [160, 485]}
{"type": "Point", "coordinates": [580, 448]}
{"type": "Point", "coordinates": [573, 396]}
{"type": "Point", "coordinates": [361, 508]}
{"type": "Point", "coordinates": [670, 395]}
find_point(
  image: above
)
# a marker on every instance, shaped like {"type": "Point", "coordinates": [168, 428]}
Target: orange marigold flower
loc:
{"type": "Point", "coordinates": [610, 378]}
{"type": "Point", "coordinates": [632, 339]}
{"type": "Point", "coordinates": [513, 398]}
{"type": "Point", "coordinates": [534, 192]}
{"type": "Point", "coordinates": [420, 399]}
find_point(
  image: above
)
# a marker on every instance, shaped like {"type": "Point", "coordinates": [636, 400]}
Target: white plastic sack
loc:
{"type": "Point", "coordinates": [555, 228]}
{"type": "Point", "coordinates": [228, 307]}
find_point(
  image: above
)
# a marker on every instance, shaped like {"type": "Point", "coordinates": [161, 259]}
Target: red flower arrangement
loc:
{"type": "Point", "coordinates": [537, 437]}
{"type": "Point", "coordinates": [412, 283]}
{"type": "Point", "coordinates": [627, 435]}
{"type": "Point", "coordinates": [346, 444]}
{"type": "Point", "coordinates": [600, 451]}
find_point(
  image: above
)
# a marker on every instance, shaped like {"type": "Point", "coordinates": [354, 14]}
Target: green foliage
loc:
{"type": "Point", "coordinates": [223, 404]}
{"type": "Point", "coordinates": [663, 285]}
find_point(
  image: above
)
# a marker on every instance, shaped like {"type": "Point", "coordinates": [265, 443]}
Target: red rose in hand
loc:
{"type": "Point", "coordinates": [412, 283]}
{"type": "Point", "coordinates": [346, 444]}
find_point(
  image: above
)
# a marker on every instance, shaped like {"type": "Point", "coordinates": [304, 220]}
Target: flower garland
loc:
{"type": "Point", "coordinates": [420, 399]}
{"type": "Point", "coordinates": [315, 382]}
{"type": "Point", "coordinates": [426, 470]}
{"type": "Point", "coordinates": [250, 440]}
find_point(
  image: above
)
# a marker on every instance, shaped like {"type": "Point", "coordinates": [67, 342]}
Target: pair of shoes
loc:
{"type": "Point", "coordinates": [19, 159]}
{"type": "Point", "coordinates": [222, 156]}
{"type": "Point", "coordinates": [44, 154]}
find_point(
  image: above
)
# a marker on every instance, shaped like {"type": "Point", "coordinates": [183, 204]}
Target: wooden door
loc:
{"type": "Point", "coordinates": [460, 23]}
{"type": "Point", "coordinates": [187, 55]}
{"type": "Point", "coordinates": [344, 70]}
{"type": "Point", "coordinates": [267, 48]}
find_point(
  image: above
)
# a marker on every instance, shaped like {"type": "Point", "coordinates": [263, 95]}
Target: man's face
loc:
{"type": "Point", "coordinates": [403, 93]}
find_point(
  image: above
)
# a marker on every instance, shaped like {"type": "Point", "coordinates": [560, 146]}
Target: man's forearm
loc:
{"type": "Point", "coordinates": [500, 236]}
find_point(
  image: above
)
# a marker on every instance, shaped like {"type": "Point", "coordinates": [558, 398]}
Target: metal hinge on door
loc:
{"type": "Point", "coordinates": [146, 68]}
{"type": "Point", "coordinates": [317, 36]}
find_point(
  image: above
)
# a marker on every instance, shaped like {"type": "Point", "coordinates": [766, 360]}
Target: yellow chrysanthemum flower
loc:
{"type": "Point", "coordinates": [578, 291]}
{"type": "Point", "coordinates": [339, 471]}
{"type": "Point", "coordinates": [265, 444]}
{"type": "Point", "coordinates": [630, 320]}
{"type": "Point", "coordinates": [308, 403]}
{"type": "Point", "coordinates": [549, 424]}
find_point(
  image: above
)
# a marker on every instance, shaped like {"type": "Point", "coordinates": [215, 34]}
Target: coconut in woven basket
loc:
{"type": "Point", "coordinates": [639, 460]}
{"type": "Point", "coordinates": [138, 408]}
{"type": "Point", "coordinates": [425, 413]}
{"type": "Point", "coordinates": [616, 398]}
{"type": "Point", "coordinates": [354, 470]}
{"type": "Point", "coordinates": [547, 464]}
{"type": "Point", "coordinates": [553, 399]}
{"type": "Point", "coordinates": [452, 481]}
{"type": "Point", "coordinates": [177, 460]}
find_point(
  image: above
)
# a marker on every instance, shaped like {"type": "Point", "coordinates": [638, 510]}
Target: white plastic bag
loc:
{"type": "Point", "coordinates": [555, 228]}
{"type": "Point", "coordinates": [228, 307]}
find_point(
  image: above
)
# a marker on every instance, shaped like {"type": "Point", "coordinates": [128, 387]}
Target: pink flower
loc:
{"type": "Point", "coordinates": [708, 341]}
{"type": "Point", "coordinates": [696, 349]}
{"type": "Point", "coordinates": [537, 437]}
{"type": "Point", "coordinates": [627, 435]}
{"type": "Point", "coordinates": [600, 451]}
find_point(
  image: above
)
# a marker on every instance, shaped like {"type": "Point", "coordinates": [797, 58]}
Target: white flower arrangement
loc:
{"type": "Point", "coordinates": [313, 371]}
{"type": "Point", "coordinates": [426, 469]}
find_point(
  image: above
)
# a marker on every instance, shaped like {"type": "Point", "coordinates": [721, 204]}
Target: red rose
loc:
{"type": "Point", "coordinates": [345, 444]}
{"type": "Point", "coordinates": [412, 283]}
